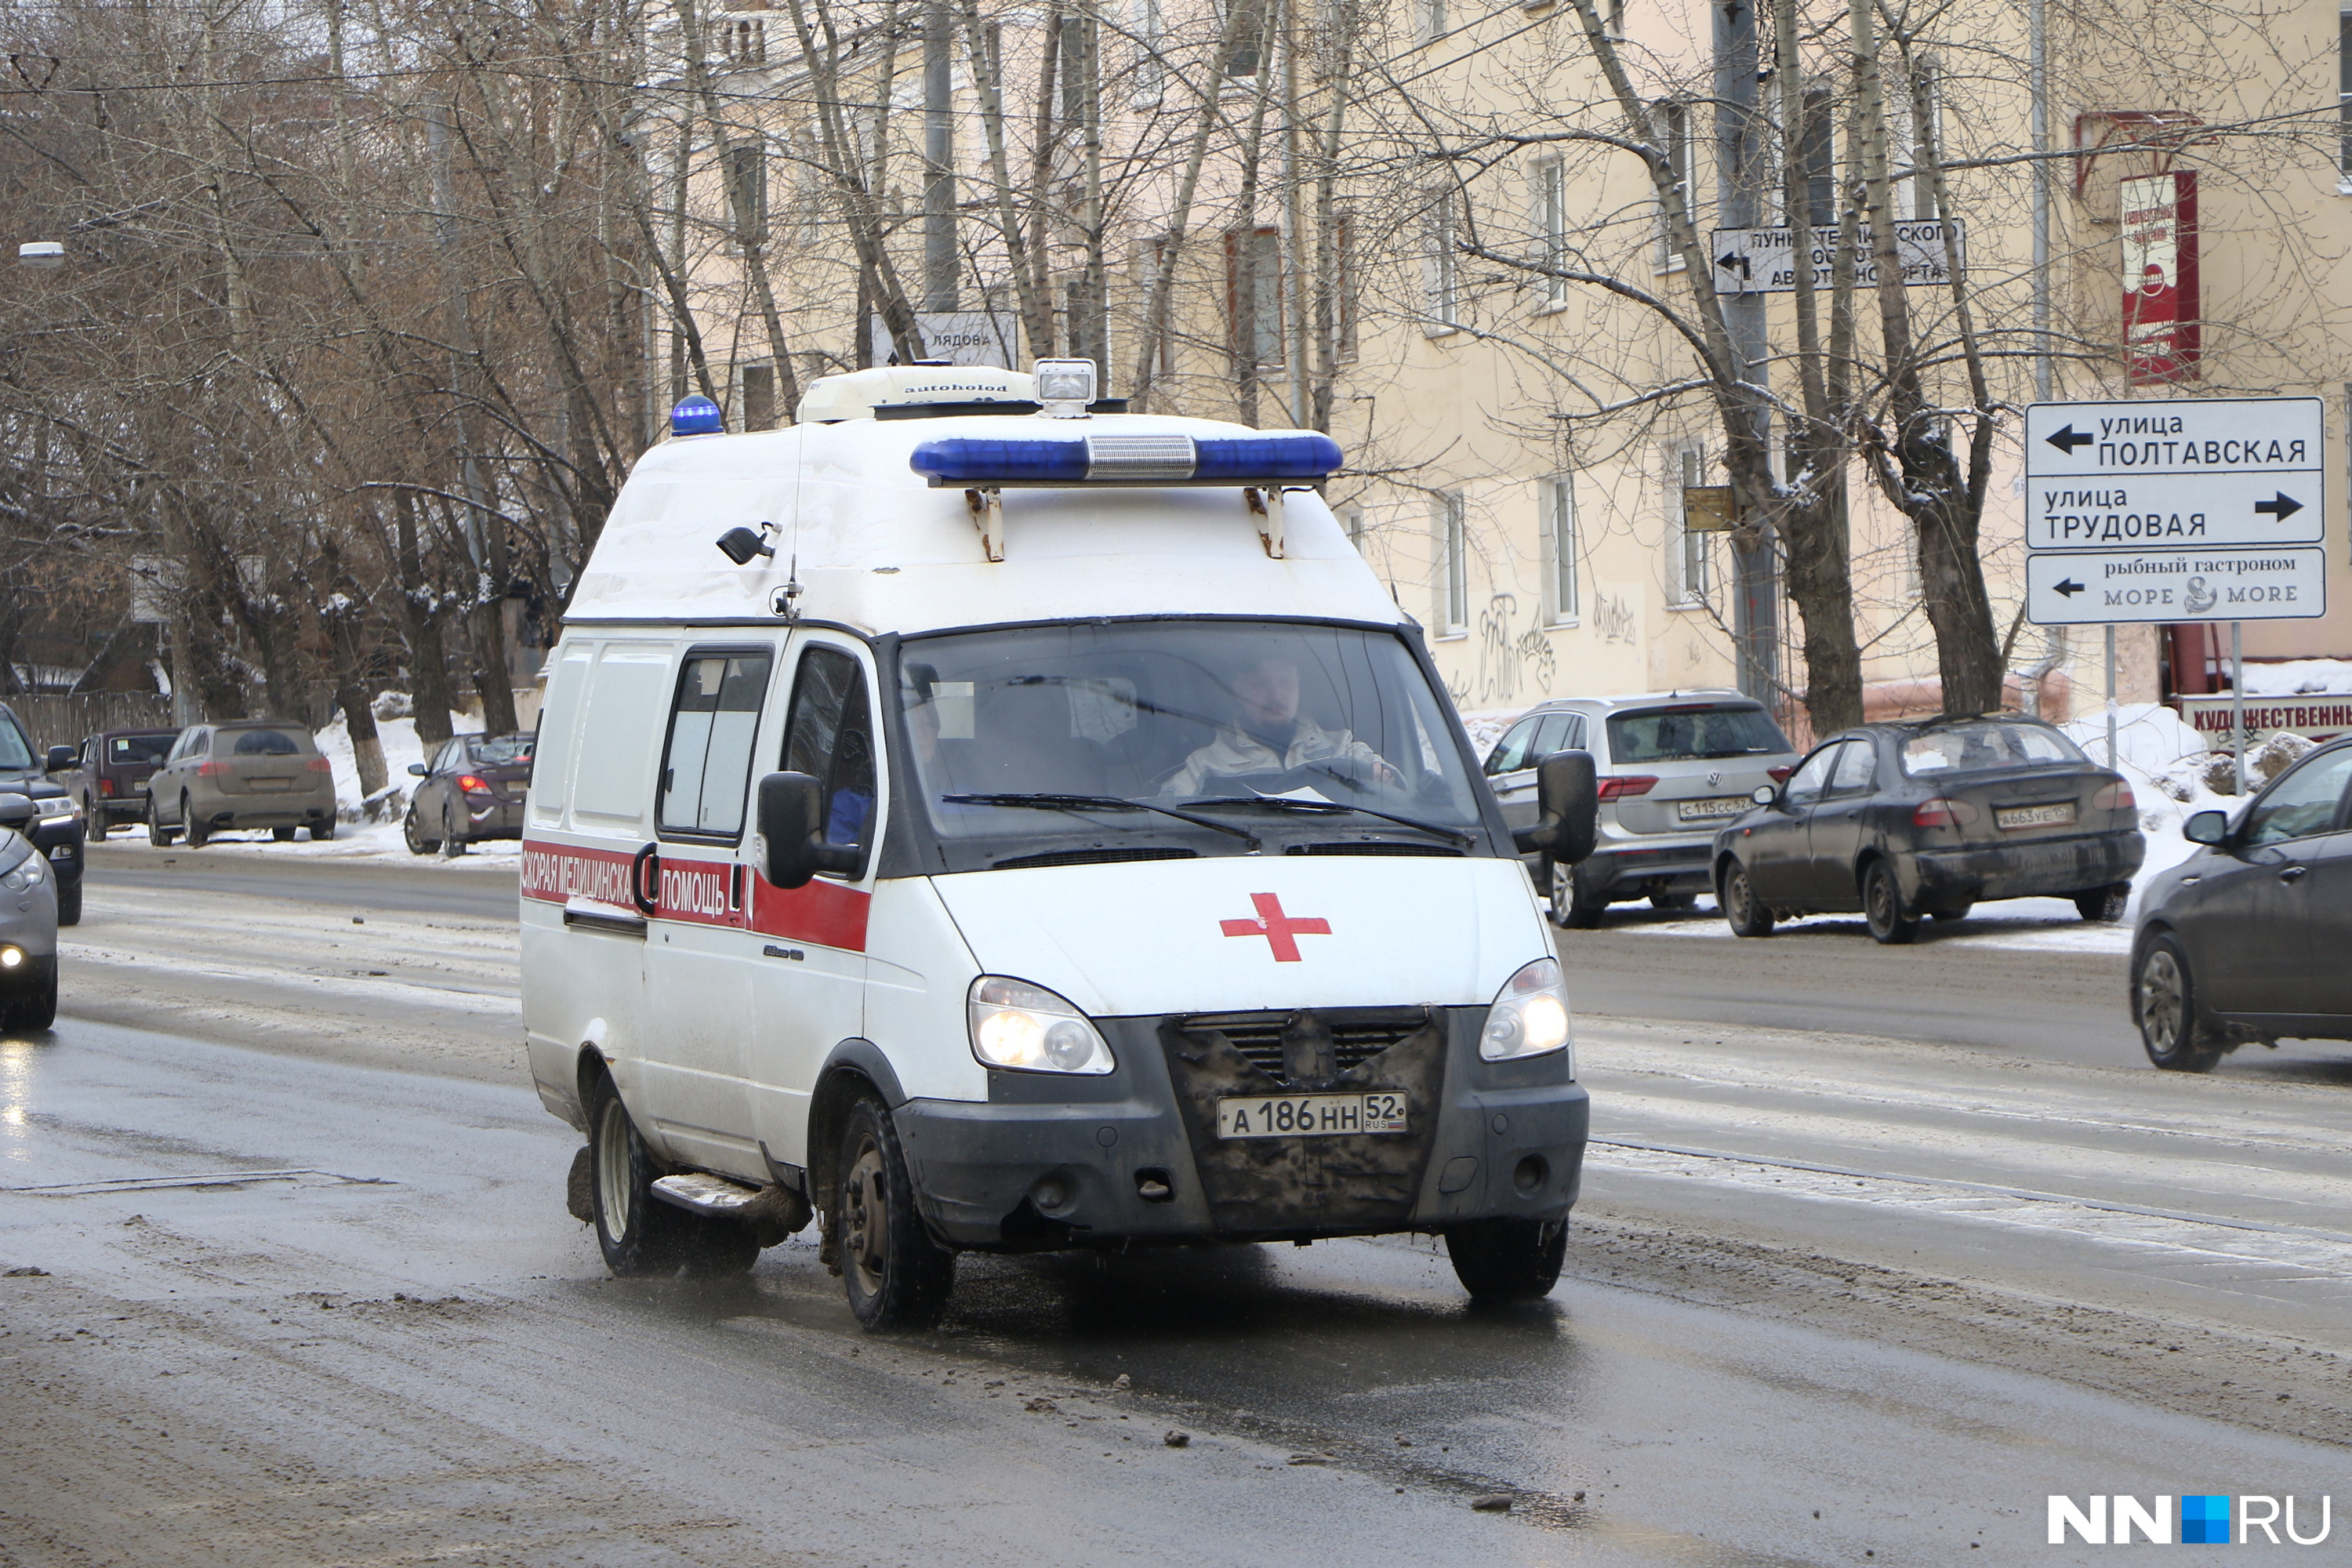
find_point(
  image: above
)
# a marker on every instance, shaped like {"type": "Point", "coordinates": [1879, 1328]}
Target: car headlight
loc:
{"type": "Point", "coordinates": [55, 807]}
{"type": "Point", "coordinates": [27, 873]}
{"type": "Point", "coordinates": [1028, 1028]}
{"type": "Point", "coordinates": [1529, 1016]}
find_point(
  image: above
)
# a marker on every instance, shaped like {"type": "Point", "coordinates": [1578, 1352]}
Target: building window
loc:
{"type": "Point", "coordinates": [1694, 548]}
{"type": "Point", "coordinates": [759, 397]}
{"type": "Point", "coordinates": [1254, 295]}
{"type": "Point", "coordinates": [1340, 243]}
{"type": "Point", "coordinates": [1247, 23]}
{"type": "Point", "coordinates": [1551, 215]}
{"type": "Point", "coordinates": [1672, 128]}
{"type": "Point", "coordinates": [1352, 520]}
{"type": "Point", "coordinates": [1144, 24]}
{"type": "Point", "coordinates": [1438, 265]}
{"type": "Point", "coordinates": [745, 42]}
{"type": "Point", "coordinates": [2344, 89]}
{"type": "Point", "coordinates": [1077, 68]}
{"type": "Point", "coordinates": [1559, 550]}
{"type": "Point", "coordinates": [1432, 20]}
{"type": "Point", "coordinates": [1614, 11]}
{"type": "Point", "coordinates": [746, 190]}
{"type": "Point", "coordinates": [1452, 564]}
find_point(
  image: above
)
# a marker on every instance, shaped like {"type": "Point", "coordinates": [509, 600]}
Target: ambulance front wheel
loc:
{"type": "Point", "coordinates": [637, 1233]}
{"type": "Point", "coordinates": [1508, 1259]}
{"type": "Point", "coordinates": [896, 1275]}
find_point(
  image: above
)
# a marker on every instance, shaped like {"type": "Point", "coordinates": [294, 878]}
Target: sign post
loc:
{"type": "Point", "coordinates": [2183, 510]}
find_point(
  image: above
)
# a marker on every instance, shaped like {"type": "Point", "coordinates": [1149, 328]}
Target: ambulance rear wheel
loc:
{"type": "Point", "coordinates": [898, 1276]}
{"type": "Point", "coordinates": [1508, 1259]}
{"type": "Point", "coordinates": [637, 1233]}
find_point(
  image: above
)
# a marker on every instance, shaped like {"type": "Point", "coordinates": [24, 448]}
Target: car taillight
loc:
{"type": "Point", "coordinates": [211, 770]}
{"type": "Point", "coordinates": [319, 765]}
{"type": "Point", "coordinates": [106, 786]}
{"type": "Point", "coordinates": [1941, 813]}
{"type": "Point", "coordinates": [1621, 785]}
{"type": "Point", "coordinates": [2117, 796]}
{"type": "Point", "coordinates": [473, 783]}
{"type": "Point", "coordinates": [1779, 775]}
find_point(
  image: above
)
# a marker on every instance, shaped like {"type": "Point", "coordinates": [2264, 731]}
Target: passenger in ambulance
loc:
{"type": "Point", "coordinates": [1269, 737]}
{"type": "Point", "coordinates": [850, 809]}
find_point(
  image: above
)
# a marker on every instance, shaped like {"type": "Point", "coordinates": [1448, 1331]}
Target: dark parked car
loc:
{"type": "Point", "coordinates": [471, 789]}
{"type": "Point", "coordinates": [1903, 820]}
{"type": "Point", "coordinates": [2247, 938]}
{"type": "Point", "coordinates": [56, 829]}
{"type": "Point", "coordinates": [109, 776]}
{"type": "Point", "coordinates": [1673, 767]}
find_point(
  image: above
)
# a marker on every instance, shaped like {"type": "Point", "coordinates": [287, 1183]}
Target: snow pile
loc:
{"type": "Point", "coordinates": [2297, 676]}
{"type": "Point", "coordinates": [2171, 776]}
{"type": "Point", "coordinates": [401, 747]}
{"type": "Point", "coordinates": [1486, 726]}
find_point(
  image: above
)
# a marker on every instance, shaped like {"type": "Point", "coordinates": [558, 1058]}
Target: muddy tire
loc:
{"type": "Point", "coordinates": [199, 833]}
{"type": "Point", "coordinates": [1741, 911]}
{"type": "Point", "coordinates": [1882, 906]}
{"type": "Point", "coordinates": [639, 1233]}
{"type": "Point", "coordinates": [896, 1275]}
{"type": "Point", "coordinates": [1573, 904]}
{"type": "Point", "coordinates": [412, 833]}
{"type": "Point", "coordinates": [33, 1005]}
{"type": "Point", "coordinates": [283, 835]}
{"type": "Point", "coordinates": [100, 824]}
{"type": "Point", "coordinates": [70, 904]}
{"type": "Point", "coordinates": [322, 831]}
{"type": "Point", "coordinates": [1508, 1259]}
{"type": "Point", "coordinates": [453, 841]}
{"type": "Point", "coordinates": [1672, 902]}
{"type": "Point", "coordinates": [157, 834]}
{"type": "Point", "coordinates": [2164, 1004]}
{"type": "Point", "coordinates": [2104, 905]}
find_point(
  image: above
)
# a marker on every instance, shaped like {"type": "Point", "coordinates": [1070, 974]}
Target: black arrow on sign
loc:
{"type": "Point", "coordinates": [1746, 273]}
{"type": "Point", "coordinates": [2066, 438]}
{"type": "Point", "coordinates": [2284, 507]}
{"type": "Point", "coordinates": [2067, 587]}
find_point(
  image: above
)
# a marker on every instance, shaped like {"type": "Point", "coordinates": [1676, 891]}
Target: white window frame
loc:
{"type": "Point", "coordinates": [2344, 98]}
{"type": "Point", "coordinates": [1151, 70]}
{"type": "Point", "coordinates": [1450, 529]}
{"type": "Point", "coordinates": [1560, 551]}
{"type": "Point", "coordinates": [1441, 273]}
{"type": "Point", "coordinates": [1673, 117]}
{"type": "Point", "coordinates": [1551, 228]}
{"type": "Point", "coordinates": [1693, 549]}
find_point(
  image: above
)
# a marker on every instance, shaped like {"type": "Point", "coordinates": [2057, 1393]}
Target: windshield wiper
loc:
{"type": "Point", "coordinates": [1103, 802]}
{"type": "Point", "coordinates": [1325, 807]}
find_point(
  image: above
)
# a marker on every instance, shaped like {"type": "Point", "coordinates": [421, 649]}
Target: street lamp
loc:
{"type": "Point", "coordinates": [41, 253]}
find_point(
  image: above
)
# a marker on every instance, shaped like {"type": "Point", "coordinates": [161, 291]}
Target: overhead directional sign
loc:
{"type": "Point", "coordinates": [2175, 473]}
{"type": "Point", "coordinates": [1764, 260]}
{"type": "Point", "coordinates": [2076, 588]}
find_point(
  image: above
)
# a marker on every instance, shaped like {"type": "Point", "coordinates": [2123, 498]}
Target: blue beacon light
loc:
{"type": "Point", "coordinates": [696, 415]}
{"type": "Point", "coordinates": [1231, 460]}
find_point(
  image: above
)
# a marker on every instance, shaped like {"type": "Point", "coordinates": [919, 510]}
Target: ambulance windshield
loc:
{"type": "Point", "coordinates": [1296, 731]}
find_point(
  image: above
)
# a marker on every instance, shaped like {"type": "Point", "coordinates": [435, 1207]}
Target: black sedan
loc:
{"type": "Point", "coordinates": [473, 789]}
{"type": "Point", "coordinates": [2246, 939]}
{"type": "Point", "coordinates": [1903, 820]}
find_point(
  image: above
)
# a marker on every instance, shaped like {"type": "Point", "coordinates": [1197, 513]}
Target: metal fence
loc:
{"type": "Point", "coordinates": [63, 720]}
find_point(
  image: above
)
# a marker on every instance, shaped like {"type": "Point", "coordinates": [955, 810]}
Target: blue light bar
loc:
{"type": "Point", "coordinates": [1126, 458]}
{"type": "Point", "coordinates": [696, 415]}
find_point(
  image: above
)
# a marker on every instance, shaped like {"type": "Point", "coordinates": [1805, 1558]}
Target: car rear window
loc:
{"type": "Point", "coordinates": [267, 743]}
{"type": "Point", "coordinates": [130, 749]}
{"type": "Point", "coordinates": [503, 749]}
{"type": "Point", "coordinates": [1972, 748]}
{"type": "Point", "coordinates": [1693, 731]}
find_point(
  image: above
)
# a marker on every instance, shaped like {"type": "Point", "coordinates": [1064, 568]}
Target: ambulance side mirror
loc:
{"type": "Point", "coordinates": [17, 811]}
{"type": "Point", "coordinates": [1567, 808]}
{"type": "Point", "coordinates": [790, 824]}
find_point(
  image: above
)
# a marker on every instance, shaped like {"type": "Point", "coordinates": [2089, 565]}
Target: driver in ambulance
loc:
{"type": "Point", "coordinates": [1269, 735]}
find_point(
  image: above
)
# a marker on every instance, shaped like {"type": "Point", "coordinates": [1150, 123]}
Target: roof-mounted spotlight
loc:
{"type": "Point", "coordinates": [1066, 387]}
{"type": "Point", "coordinates": [744, 545]}
{"type": "Point", "coordinates": [696, 415]}
{"type": "Point", "coordinates": [42, 253]}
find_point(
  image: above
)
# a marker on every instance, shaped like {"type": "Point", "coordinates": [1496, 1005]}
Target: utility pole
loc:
{"type": "Point", "coordinates": [939, 260]}
{"type": "Point", "coordinates": [1756, 607]}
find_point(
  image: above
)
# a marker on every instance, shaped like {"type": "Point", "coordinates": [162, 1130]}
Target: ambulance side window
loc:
{"type": "Point", "coordinates": [830, 736]}
{"type": "Point", "coordinates": [707, 770]}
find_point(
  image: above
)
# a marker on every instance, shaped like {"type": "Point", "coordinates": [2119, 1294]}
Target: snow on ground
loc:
{"type": "Point", "coordinates": [353, 839]}
{"type": "Point", "coordinates": [2295, 677]}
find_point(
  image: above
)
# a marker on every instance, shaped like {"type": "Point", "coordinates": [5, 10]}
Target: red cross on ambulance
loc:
{"type": "Point", "coordinates": [1281, 931]}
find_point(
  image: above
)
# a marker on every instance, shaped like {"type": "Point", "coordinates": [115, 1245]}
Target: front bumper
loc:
{"type": "Point", "coordinates": [28, 921]}
{"type": "Point", "coordinates": [2050, 868]}
{"type": "Point", "coordinates": [1054, 1162]}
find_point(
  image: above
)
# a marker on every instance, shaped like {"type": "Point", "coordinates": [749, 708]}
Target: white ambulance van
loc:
{"type": "Point", "coordinates": [986, 822]}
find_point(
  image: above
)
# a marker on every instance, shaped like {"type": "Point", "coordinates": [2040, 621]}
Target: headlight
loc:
{"type": "Point", "coordinates": [1029, 1030]}
{"type": "Point", "coordinates": [27, 874]}
{"type": "Point", "coordinates": [55, 807]}
{"type": "Point", "coordinates": [1529, 1015]}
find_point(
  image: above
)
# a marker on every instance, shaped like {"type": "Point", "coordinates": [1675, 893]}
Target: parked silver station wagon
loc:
{"type": "Point", "coordinates": [1672, 766]}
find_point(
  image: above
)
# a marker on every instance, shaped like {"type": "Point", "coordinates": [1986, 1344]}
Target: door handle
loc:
{"type": "Point", "coordinates": [2294, 873]}
{"type": "Point", "coordinates": [648, 904]}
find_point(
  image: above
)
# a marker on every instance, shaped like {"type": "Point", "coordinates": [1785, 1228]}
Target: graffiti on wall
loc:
{"type": "Point", "coordinates": [1508, 665]}
{"type": "Point", "coordinates": [1613, 618]}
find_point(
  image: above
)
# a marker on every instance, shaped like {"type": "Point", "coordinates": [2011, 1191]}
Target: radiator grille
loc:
{"type": "Point", "coordinates": [1369, 846]}
{"type": "Point", "coordinates": [1356, 1035]}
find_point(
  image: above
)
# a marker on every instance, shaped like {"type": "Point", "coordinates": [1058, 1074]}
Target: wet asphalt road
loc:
{"type": "Point", "coordinates": [428, 888]}
{"type": "Point", "coordinates": [395, 1346]}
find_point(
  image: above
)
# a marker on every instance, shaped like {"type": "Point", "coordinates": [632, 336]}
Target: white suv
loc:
{"type": "Point", "coordinates": [1674, 767]}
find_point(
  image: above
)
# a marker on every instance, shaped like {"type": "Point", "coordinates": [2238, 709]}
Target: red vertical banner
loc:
{"type": "Point", "coordinates": [2161, 334]}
